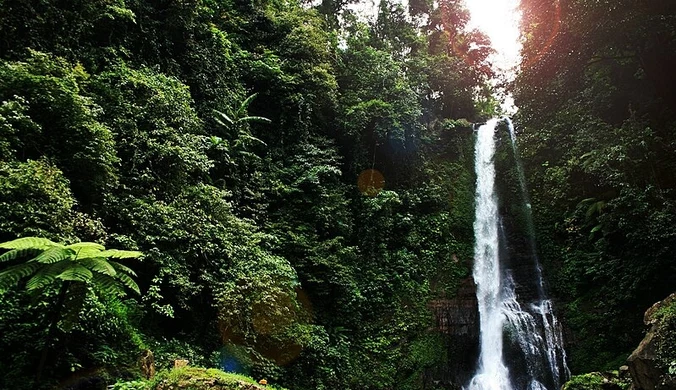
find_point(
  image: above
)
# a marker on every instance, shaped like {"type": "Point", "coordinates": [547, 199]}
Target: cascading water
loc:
{"type": "Point", "coordinates": [551, 341]}
{"type": "Point", "coordinates": [492, 373]}
{"type": "Point", "coordinates": [534, 329]}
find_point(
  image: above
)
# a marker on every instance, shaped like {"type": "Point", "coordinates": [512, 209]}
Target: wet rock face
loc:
{"type": "Point", "coordinates": [458, 320]}
{"type": "Point", "coordinates": [647, 372]}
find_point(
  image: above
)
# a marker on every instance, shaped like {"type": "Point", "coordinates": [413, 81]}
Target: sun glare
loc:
{"type": "Point", "coordinates": [499, 19]}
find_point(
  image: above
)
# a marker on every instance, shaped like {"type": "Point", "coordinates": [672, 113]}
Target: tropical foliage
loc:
{"type": "Point", "coordinates": [299, 181]}
{"type": "Point", "coordinates": [598, 125]}
{"type": "Point", "coordinates": [224, 141]}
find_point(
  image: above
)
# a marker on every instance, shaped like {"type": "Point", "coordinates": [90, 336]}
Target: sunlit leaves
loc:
{"type": "Point", "coordinates": [73, 263]}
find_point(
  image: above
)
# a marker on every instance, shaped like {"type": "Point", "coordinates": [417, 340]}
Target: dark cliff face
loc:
{"type": "Point", "coordinates": [519, 261]}
{"type": "Point", "coordinates": [458, 320]}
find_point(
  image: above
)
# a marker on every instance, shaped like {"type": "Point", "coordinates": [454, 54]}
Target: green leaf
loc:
{"type": "Point", "coordinates": [86, 245]}
{"type": "Point", "coordinates": [77, 292]}
{"type": "Point", "coordinates": [122, 267]}
{"type": "Point", "coordinates": [46, 275]}
{"type": "Point", "coordinates": [14, 274]}
{"type": "Point", "coordinates": [17, 253]}
{"type": "Point", "coordinates": [76, 273]}
{"type": "Point", "coordinates": [53, 255]}
{"type": "Point", "coordinates": [254, 119]}
{"type": "Point", "coordinates": [28, 243]}
{"type": "Point", "coordinates": [245, 105]}
{"type": "Point", "coordinates": [107, 284]}
{"type": "Point", "coordinates": [120, 254]}
{"type": "Point", "coordinates": [99, 264]}
{"type": "Point", "coordinates": [225, 117]}
{"type": "Point", "coordinates": [129, 282]}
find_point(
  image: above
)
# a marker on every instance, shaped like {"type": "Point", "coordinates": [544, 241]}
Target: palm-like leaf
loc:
{"type": "Point", "coordinates": [244, 107]}
{"type": "Point", "coordinates": [122, 268]}
{"type": "Point", "coordinates": [223, 117]}
{"type": "Point", "coordinates": [86, 245]}
{"type": "Point", "coordinates": [12, 275]}
{"type": "Point", "coordinates": [46, 276]}
{"type": "Point", "coordinates": [128, 281]}
{"type": "Point", "coordinates": [53, 255]}
{"type": "Point", "coordinates": [99, 265]}
{"type": "Point", "coordinates": [76, 273]}
{"type": "Point", "coordinates": [28, 243]}
{"type": "Point", "coordinates": [107, 284]}
{"type": "Point", "coordinates": [260, 119]}
{"type": "Point", "coordinates": [18, 253]}
{"type": "Point", "coordinates": [120, 254]}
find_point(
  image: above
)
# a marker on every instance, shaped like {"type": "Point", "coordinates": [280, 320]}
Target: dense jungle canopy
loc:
{"type": "Point", "coordinates": [300, 182]}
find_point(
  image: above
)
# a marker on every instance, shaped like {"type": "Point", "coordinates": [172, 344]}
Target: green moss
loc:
{"type": "Point", "coordinates": [596, 381]}
{"type": "Point", "coordinates": [666, 337]}
{"type": "Point", "coordinates": [589, 381]}
{"type": "Point", "coordinates": [194, 378]}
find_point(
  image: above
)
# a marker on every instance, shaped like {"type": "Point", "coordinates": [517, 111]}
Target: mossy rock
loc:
{"type": "Point", "coordinates": [193, 378]}
{"type": "Point", "coordinates": [597, 381]}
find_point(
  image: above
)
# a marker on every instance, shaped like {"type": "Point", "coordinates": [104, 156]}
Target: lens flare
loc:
{"type": "Point", "coordinates": [370, 182]}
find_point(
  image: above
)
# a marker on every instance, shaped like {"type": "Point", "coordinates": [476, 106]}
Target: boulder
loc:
{"type": "Point", "coordinates": [646, 371]}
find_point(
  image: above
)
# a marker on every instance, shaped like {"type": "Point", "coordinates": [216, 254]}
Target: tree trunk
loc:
{"type": "Point", "coordinates": [52, 329]}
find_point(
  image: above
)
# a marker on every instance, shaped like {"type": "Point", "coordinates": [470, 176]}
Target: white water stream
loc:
{"type": "Point", "coordinates": [492, 374]}
{"type": "Point", "coordinates": [535, 329]}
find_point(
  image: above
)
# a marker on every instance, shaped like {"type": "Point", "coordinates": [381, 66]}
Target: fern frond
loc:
{"type": "Point", "coordinates": [53, 255]}
{"type": "Point", "coordinates": [107, 284]}
{"type": "Point", "coordinates": [18, 253]}
{"type": "Point", "coordinates": [77, 273]}
{"type": "Point", "coordinates": [28, 243]}
{"type": "Point", "coordinates": [123, 268]}
{"type": "Point", "coordinates": [86, 245]}
{"type": "Point", "coordinates": [98, 264]}
{"type": "Point", "coordinates": [12, 275]}
{"type": "Point", "coordinates": [46, 275]}
{"type": "Point", "coordinates": [120, 254]}
{"type": "Point", "coordinates": [129, 282]}
{"type": "Point", "coordinates": [87, 253]}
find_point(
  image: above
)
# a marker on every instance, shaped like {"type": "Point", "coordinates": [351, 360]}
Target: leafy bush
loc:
{"type": "Point", "coordinates": [596, 381]}
{"type": "Point", "coordinates": [131, 385]}
{"type": "Point", "coordinates": [666, 337]}
{"type": "Point", "coordinates": [194, 378]}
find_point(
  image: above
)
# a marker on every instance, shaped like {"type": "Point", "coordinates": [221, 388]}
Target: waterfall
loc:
{"type": "Point", "coordinates": [492, 374]}
{"type": "Point", "coordinates": [531, 330]}
{"type": "Point", "coordinates": [551, 342]}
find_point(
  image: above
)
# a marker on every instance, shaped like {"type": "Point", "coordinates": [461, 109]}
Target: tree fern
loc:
{"type": "Point", "coordinates": [45, 276]}
{"type": "Point", "coordinates": [53, 255]}
{"type": "Point", "coordinates": [28, 243]}
{"type": "Point", "coordinates": [122, 268]}
{"type": "Point", "coordinates": [99, 264]}
{"type": "Point", "coordinates": [76, 273]}
{"type": "Point", "coordinates": [107, 284]}
{"type": "Point", "coordinates": [49, 262]}
{"type": "Point", "coordinates": [129, 282]}
{"type": "Point", "coordinates": [12, 275]}
{"type": "Point", "coordinates": [119, 254]}
{"type": "Point", "coordinates": [18, 253]}
{"type": "Point", "coordinates": [86, 245]}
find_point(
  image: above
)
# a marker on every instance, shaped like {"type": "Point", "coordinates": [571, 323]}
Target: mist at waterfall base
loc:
{"type": "Point", "coordinates": [527, 332]}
